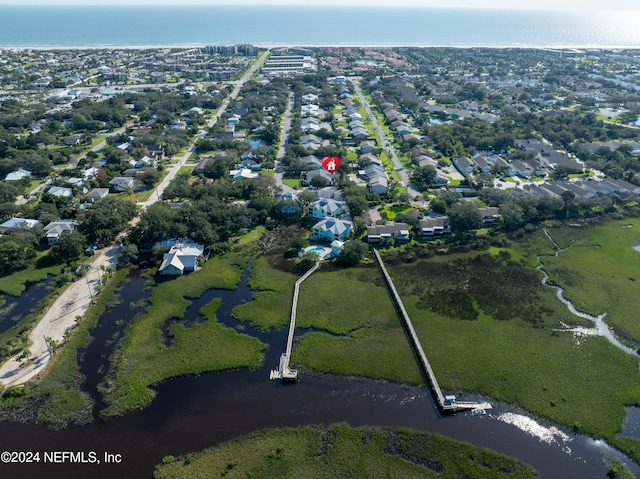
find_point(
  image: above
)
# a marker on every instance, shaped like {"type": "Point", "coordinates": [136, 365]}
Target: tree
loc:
{"type": "Point", "coordinates": [357, 204]}
{"type": "Point", "coordinates": [128, 254]}
{"type": "Point", "coordinates": [150, 177]}
{"type": "Point", "coordinates": [352, 252]}
{"type": "Point", "coordinates": [14, 256]}
{"type": "Point", "coordinates": [158, 222]}
{"type": "Point", "coordinates": [105, 219]}
{"type": "Point", "coordinates": [298, 243]}
{"type": "Point", "coordinates": [464, 217]}
{"type": "Point", "coordinates": [307, 261]}
{"type": "Point", "coordinates": [423, 177]}
{"type": "Point", "coordinates": [319, 181]}
{"type": "Point", "coordinates": [69, 246]}
{"type": "Point", "coordinates": [306, 197]}
{"type": "Point", "coordinates": [568, 197]}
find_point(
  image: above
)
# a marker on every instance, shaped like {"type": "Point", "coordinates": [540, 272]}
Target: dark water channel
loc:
{"type": "Point", "coordinates": [193, 413]}
{"type": "Point", "coordinates": [16, 308]}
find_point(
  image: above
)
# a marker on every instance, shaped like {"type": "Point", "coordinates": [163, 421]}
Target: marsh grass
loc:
{"type": "Point", "coordinates": [318, 452]}
{"type": "Point", "coordinates": [599, 272]}
{"type": "Point", "coordinates": [271, 305]}
{"type": "Point", "coordinates": [142, 359]}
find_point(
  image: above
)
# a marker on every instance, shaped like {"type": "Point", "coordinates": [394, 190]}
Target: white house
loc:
{"type": "Point", "coordinates": [181, 258]}
{"type": "Point", "coordinates": [243, 173]}
{"type": "Point", "coordinates": [60, 192]}
{"type": "Point", "coordinates": [17, 175]}
{"type": "Point", "coordinates": [19, 223]}
{"type": "Point", "coordinates": [145, 161]}
{"type": "Point", "coordinates": [310, 110]}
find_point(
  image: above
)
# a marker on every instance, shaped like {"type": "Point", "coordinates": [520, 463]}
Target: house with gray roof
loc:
{"type": "Point", "coordinates": [56, 228]}
{"type": "Point", "coordinates": [181, 258]}
{"type": "Point", "coordinates": [464, 165]}
{"type": "Point", "coordinates": [60, 192]}
{"type": "Point", "coordinates": [17, 175]}
{"type": "Point", "coordinates": [430, 226]}
{"type": "Point", "coordinates": [121, 183]}
{"type": "Point", "coordinates": [387, 233]}
{"type": "Point", "coordinates": [97, 194]}
{"type": "Point", "coordinates": [20, 223]}
{"type": "Point", "coordinates": [310, 142]}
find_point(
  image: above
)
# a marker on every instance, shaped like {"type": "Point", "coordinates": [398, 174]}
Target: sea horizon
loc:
{"type": "Point", "coordinates": [135, 26]}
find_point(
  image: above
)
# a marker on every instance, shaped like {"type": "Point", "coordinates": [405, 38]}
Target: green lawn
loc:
{"type": "Point", "coordinates": [340, 451]}
{"type": "Point", "coordinates": [185, 169]}
{"type": "Point", "coordinates": [394, 210]}
{"type": "Point", "coordinates": [485, 321]}
{"type": "Point", "coordinates": [291, 182]}
{"type": "Point", "coordinates": [514, 349]}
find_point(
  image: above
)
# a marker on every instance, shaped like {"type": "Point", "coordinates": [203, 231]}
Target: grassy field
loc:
{"type": "Point", "coordinates": [600, 272]}
{"type": "Point", "coordinates": [486, 324]}
{"type": "Point", "coordinates": [341, 451]}
{"type": "Point", "coordinates": [142, 358]}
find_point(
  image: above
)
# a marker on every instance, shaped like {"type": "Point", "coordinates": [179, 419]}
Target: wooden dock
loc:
{"type": "Point", "coordinates": [445, 403]}
{"type": "Point", "coordinates": [284, 372]}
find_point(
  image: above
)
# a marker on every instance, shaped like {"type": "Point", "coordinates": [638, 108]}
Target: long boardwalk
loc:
{"type": "Point", "coordinates": [445, 403]}
{"type": "Point", "coordinates": [284, 372]}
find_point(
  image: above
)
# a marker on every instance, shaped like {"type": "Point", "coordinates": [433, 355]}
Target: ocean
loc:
{"type": "Point", "coordinates": [136, 26]}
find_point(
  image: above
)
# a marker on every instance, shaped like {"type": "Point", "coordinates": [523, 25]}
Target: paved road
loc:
{"type": "Point", "coordinates": [284, 135]}
{"type": "Point", "coordinates": [173, 171]}
{"type": "Point", "coordinates": [385, 142]}
{"type": "Point", "coordinates": [76, 299]}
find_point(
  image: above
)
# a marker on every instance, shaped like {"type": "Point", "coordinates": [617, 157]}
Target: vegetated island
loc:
{"type": "Point", "coordinates": [343, 451]}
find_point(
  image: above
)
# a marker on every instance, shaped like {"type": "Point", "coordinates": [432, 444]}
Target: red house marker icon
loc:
{"type": "Point", "coordinates": [331, 164]}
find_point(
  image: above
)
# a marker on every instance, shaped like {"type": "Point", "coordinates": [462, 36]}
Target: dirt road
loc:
{"type": "Point", "coordinates": [60, 317]}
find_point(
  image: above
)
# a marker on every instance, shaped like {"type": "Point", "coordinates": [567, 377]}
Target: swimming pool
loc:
{"type": "Point", "coordinates": [323, 252]}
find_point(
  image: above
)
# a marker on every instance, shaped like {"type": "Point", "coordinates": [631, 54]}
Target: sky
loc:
{"type": "Point", "coordinates": [579, 5]}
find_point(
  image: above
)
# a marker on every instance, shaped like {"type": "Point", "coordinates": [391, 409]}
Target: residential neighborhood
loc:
{"type": "Point", "coordinates": [206, 174]}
